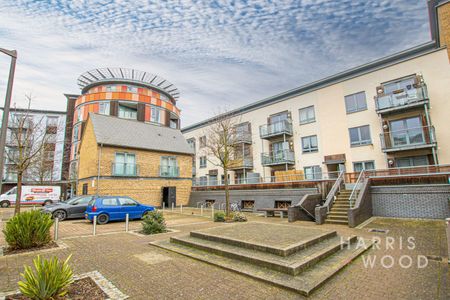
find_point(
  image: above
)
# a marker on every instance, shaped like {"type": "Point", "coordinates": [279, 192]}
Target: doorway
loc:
{"type": "Point", "coordinates": [169, 196]}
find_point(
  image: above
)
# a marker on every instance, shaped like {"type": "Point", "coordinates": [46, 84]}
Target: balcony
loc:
{"type": "Point", "coordinates": [276, 129]}
{"type": "Point", "coordinates": [278, 158]}
{"type": "Point", "coordinates": [243, 137]}
{"type": "Point", "coordinates": [242, 163]}
{"type": "Point", "coordinates": [169, 171]}
{"type": "Point", "coordinates": [402, 100]}
{"type": "Point", "coordinates": [408, 139]}
{"type": "Point", "coordinates": [194, 170]}
{"type": "Point", "coordinates": [122, 169]}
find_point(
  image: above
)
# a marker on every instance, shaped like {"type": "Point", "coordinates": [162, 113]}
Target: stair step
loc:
{"type": "Point", "coordinates": [337, 213]}
{"type": "Point", "coordinates": [338, 209]}
{"type": "Point", "coordinates": [337, 217]}
{"type": "Point", "coordinates": [344, 206]}
{"type": "Point", "coordinates": [293, 264]}
{"type": "Point", "coordinates": [340, 222]}
{"type": "Point", "coordinates": [306, 283]}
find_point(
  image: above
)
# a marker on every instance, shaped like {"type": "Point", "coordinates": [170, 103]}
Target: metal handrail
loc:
{"type": "Point", "coordinates": [334, 189]}
{"type": "Point", "coordinates": [355, 191]}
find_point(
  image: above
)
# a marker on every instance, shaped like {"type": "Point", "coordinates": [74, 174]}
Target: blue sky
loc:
{"type": "Point", "coordinates": [220, 54]}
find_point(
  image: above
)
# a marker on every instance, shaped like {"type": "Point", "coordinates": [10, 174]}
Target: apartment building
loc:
{"type": "Point", "coordinates": [48, 127]}
{"type": "Point", "coordinates": [392, 112]}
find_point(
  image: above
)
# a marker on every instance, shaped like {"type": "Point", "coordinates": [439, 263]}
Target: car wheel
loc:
{"type": "Point", "coordinates": [102, 219]}
{"type": "Point", "coordinates": [47, 202]}
{"type": "Point", "coordinates": [4, 204]}
{"type": "Point", "coordinates": [60, 214]}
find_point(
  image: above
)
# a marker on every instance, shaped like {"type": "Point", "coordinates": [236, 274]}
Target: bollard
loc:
{"type": "Point", "coordinates": [56, 229]}
{"type": "Point", "coordinates": [173, 205]}
{"type": "Point", "coordinates": [281, 214]}
{"type": "Point", "coordinates": [201, 210]}
{"type": "Point", "coordinates": [127, 219]}
{"type": "Point", "coordinates": [95, 225]}
{"type": "Point", "coordinates": [164, 205]}
{"type": "Point", "coordinates": [447, 223]}
{"type": "Point", "coordinates": [212, 212]}
{"type": "Point", "coordinates": [181, 208]}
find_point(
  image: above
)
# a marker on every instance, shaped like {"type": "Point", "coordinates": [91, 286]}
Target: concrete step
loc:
{"type": "Point", "coordinates": [340, 222]}
{"type": "Point", "coordinates": [343, 206]}
{"type": "Point", "coordinates": [338, 209]}
{"type": "Point", "coordinates": [334, 212]}
{"type": "Point", "coordinates": [305, 283]}
{"type": "Point", "coordinates": [293, 264]}
{"type": "Point", "coordinates": [334, 217]}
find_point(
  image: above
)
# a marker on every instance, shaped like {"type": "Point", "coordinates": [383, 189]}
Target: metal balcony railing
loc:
{"type": "Point", "coordinates": [124, 169]}
{"type": "Point", "coordinates": [275, 129]}
{"type": "Point", "coordinates": [242, 163]}
{"type": "Point", "coordinates": [410, 138]}
{"type": "Point", "coordinates": [278, 158]}
{"type": "Point", "coordinates": [401, 100]}
{"type": "Point", "coordinates": [169, 171]}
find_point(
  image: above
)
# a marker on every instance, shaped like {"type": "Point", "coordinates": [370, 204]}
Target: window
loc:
{"type": "Point", "coordinates": [360, 135]}
{"type": "Point", "coordinates": [52, 121]}
{"type": "Point", "coordinates": [412, 161]}
{"type": "Point", "coordinates": [79, 114]}
{"type": "Point", "coordinates": [163, 97]}
{"type": "Point", "coordinates": [49, 155]}
{"type": "Point", "coordinates": [203, 180]}
{"type": "Point", "coordinates": [125, 165]}
{"type": "Point", "coordinates": [127, 202]}
{"type": "Point", "coordinates": [103, 108]}
{"type": "Point", "coordinates": [398, 85]}
{"type": "Point", "coordinates": [309, 144]}
{"type": "Point", "coordinates": [51, 138]}
{"type": "Point", "coordinates": [131, 89]}
{"type": "Point", "coordinates": [154, 117]}
{"type": "Point", "coordinates": [407, 131]}
{"type": "Point", "coordinates": [202, 141]}
{"type": "Point", "coordinates": [203, 162]}
{"type": "Point", "coordinates": [278, 117]}
{"type": "Point", "coordinates": [313, 172]}
{"type": "Point", "coordinates": [109, 201]}
{"type": "Point", "coordinates": [128, 111]}
{"type": "Point", "coordinates": [85, 188]}
{"type": "Point", "coordinates": [110, 88]}
{"type": "Point", "coordinates": [173, 123]}
{"type": "Point", "coordinates": [363, 165]}
{"type": "Point", "coordinates": [76, 130]}
{"type": "Point", "coordinates": [191, 143]}
{"type": "Point", "coordinates": [307, 115]}
{"type": "Point", "coordinates": [355, 102]}
{"type": "Point", "coordinates": [169, 166]}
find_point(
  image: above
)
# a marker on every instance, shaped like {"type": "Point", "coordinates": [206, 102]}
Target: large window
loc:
{"type": "Point", "coordinates": [309, 144]}
{"type": "Point", "coordinates": [307, 115]}
{"type": "Point", "coordinates": [103, 108]}
{"type": "Point", "coordinates": [128, 111]}
{"type": "Point", "coordinates": [79, 114]}
{"type": "Point", "coordinates": [191, 143]}
{"type": "Point", "coordinates": [412, 161]}
{"type": "Point", "coordinates": [203, 162]}
{"type": "Point", "coordinates": [360, 135]}
{"type": "Point", "coordinates": [363, 165]}
{"type": "Point", "coordinates": [202, 141]}
{"type": "Point", "coordinates": [355, 102]}
{"type": "Point", "coordinates": [407, 131]}
{"type": "Point", "coordinates": [313, 172]}
{"type": "Point", "coordinates": [169, 166]}
{"type": "Point", "coordinates": [125, 165]}
{"type": "Point", "coordinates": [154, 117]}
{"type": "Point", "coordinates": [76, 131]}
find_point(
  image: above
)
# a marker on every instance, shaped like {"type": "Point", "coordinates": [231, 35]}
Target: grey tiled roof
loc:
{"type": "Point", "coordinates": [139, 135]}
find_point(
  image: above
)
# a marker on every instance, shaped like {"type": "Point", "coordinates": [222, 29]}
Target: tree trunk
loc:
{"type": "Point", "coordinates": [18, 194]}
{"type": "Point", "coordinates": [227, 193]}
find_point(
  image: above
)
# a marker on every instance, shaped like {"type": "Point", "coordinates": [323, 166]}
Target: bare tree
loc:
{"type": "Point", "coordinates": [220, 144]}
{"type": "Point", "coordinates": [28, 142]}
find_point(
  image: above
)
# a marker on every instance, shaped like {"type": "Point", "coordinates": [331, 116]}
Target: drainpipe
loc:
{"type": "Point", "coordinates": [98, 167]}
{"type": "Point", "coordinates": [432, 136]}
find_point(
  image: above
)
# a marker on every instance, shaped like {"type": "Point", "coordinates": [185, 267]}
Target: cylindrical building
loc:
{"type": "Point", "coordinates": [124, 93]}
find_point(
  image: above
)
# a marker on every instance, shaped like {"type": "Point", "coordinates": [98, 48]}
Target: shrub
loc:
{"type": "Point", "coordinates": [219, 216]}
{"type": "Point", "coordinates": [153, 223]}
{"type": "Point", "coordinates": [239, 217]}
{"type": "Point", "coordinates": [49, 281]}
{"type": "Point", "coordinates": [28, 229]}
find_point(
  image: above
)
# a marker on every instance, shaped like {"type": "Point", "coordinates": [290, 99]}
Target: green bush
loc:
{"type": "Point", "coordinates": [153, 223]}
{"type": "Point", "coordinates": [239, 217]}
{"type": "Point", "coordinates": [28, 229]}
{"type": "Point", "coordinates": [219, 216]}
{"type": "Point", "coordinates": [49, 281]}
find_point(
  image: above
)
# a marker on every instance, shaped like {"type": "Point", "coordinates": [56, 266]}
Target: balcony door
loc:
{"type": "Point", "coordinates": [276, 122]}
{"type": "Point", "coordinates": [407, 132]}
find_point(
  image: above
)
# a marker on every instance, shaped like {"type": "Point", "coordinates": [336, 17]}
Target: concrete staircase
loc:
{"type": "Point", "coordinates": [338, 211]}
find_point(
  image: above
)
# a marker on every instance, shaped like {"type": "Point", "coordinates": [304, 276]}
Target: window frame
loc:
{"type": "Point", "coordinates": [307, 109]}
{"type": "Point", "coordinates": [126, 154]}
{"type": "Point", "coordinates": [358, 109]}
{"type": "Point", "coordinates": [360, 142]}
{"type": "Point", "coordinates": [363, 164]}
{"type": "Point", "coordinates": [310, 149]}
{"type": "Point", "coordinates": [314, 168]}
{"type": "Point", "coordinates": [205, 165]}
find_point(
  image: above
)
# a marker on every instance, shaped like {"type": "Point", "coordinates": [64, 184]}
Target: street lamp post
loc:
{"type": "Point", "coordinates": [13, 54]}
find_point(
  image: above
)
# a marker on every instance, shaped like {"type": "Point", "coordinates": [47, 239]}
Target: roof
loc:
{"type": "Point", "coordinates": [328, 81]}
{"type": "Point", "coordinates": [35, 111]}
{"type": "Point", "coordinates": [125, 133]}
{"type": "Point", "coordinates": [124, 75]}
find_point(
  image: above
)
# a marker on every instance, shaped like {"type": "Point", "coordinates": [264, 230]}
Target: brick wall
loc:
{"type": "Point", "coordinates": [444, 25]}
{"type": "Point", "coordinates": [420, 201]}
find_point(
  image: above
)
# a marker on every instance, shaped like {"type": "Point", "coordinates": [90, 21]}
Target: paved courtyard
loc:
{"type": "Point", "coordinates": [143, 271]}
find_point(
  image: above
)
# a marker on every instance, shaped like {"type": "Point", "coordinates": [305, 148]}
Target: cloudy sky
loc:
{"type": "Point", "coordinates": [220, 54]}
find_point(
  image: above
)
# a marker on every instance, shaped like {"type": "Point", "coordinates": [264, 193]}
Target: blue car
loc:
{"type": "Point", "coordinates": [115, 208]}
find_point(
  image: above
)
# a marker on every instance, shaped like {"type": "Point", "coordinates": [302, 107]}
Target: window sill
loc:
{"type": "Point", "coordinates": [307, 122]}
{"type": "Point", "coordinates": [362, 145]}
{"type": "Point", "coordinates": [307, 152]}
{"type": "Point", "coordinates": [356, 111]}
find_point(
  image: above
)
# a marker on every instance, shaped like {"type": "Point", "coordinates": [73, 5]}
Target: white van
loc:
{"type": "Point", "coordinates": [32, 194]}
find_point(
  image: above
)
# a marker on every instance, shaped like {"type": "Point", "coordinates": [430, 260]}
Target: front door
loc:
{"type": "Point", "coordinates": [169, 196]}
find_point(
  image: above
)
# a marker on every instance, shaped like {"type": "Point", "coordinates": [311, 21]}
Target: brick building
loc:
{"type": "Point", "coordinates": [150, 163]}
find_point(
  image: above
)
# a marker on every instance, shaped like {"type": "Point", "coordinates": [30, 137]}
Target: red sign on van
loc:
{"type": "Point", "coordinates": [41, 190]}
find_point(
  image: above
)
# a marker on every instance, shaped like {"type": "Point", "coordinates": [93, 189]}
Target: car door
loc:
{"type": "Point", "coordinates": [79, 207]}
{"type": "Point", "coordinates": [130, 207]}
{"type": "Point", "coordinates": [111, 206]}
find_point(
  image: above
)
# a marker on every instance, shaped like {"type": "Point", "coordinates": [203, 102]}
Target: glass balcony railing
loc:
{"type": "Point", "coordinates": [409, 138]}
{"type": "Point", "coordinates": [243, 137]}
{"type": "Point", "coordinates": [123, 169]}
{"type": "Point", "coordinates": [242, 163]}
{"type": "Point", "coordinates": [401, 99]}
{"type": "Point", "coordinates": [275, 129]}
{"type": "Point", "coordinates": [278, 158]}
{"type": "Point", "coordinates": [169, 171]}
